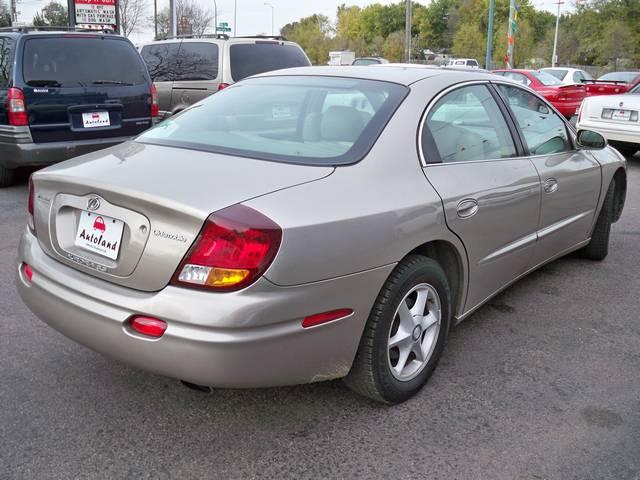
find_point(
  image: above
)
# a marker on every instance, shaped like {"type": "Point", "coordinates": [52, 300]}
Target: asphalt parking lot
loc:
{"type": "Point", "coordinates": [542, 383]}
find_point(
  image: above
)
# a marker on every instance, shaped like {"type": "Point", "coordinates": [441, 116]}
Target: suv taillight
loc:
{"type": "Point", "coordinates": [17, 108]}
{"type": "Point", "coordinates": [31, 205]}
{"type": "Point", "coordinates": [222, 86]}
{"type": "Point", "coordinates": [155, 107]}
{"type": "Point", "coordinates": [234, 248]}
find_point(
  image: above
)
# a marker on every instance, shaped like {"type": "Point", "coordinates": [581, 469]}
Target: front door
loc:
{"type": "Point", "coordinates": [491, 197]}
{"type": "Point", "coordinates": [569, 176]}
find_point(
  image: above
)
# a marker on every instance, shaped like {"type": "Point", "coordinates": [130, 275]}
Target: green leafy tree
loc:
{"type": "Point", "coordinates": [393, 48]}
{"type": "Point", "coordinates": [52, 14]}
{"type": "Point", "coordinates": [313, 35]}
{"type": "Point", "coordinates": [5, 15]}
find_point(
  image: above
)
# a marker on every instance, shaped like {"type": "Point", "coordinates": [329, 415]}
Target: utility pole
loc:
{"type": "Point", "coordinates": [155, 19]}
{"type": "Point", "coordinates": [407, 33]}
{"type": "Point", "coordinates": [174, 19]}
{"type": "Point", "coordinates": [235, 18]}
{"type": "Point", "coordinates": [554, 57]}
{"type": "Point", "coordinates": [272, 15]}
{"type": "Point", "coordinates": [510, 35]}
{"type": "Point", "coordinates": [489, 56]}
{"type": "Point", "coordinates": [13, 11]}
{"type": "Point", "coordinates": [215, 15]}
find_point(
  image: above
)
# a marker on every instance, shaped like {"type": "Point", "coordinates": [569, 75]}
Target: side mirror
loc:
{"type": "Point", "coordinates": [590, 140]}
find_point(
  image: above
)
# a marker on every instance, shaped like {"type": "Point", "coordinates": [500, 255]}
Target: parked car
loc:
{"type": "Point", "coordinates": [290, 229]}
{"type": "Point", "coordinates": [370, 61]}
{"type": "Point", "coordinates": [186, 70]}
{"type": "Point", "coordinates": [65, 93]}
{"type": "Point", "coordinates": [463, 63]}
{"type": "Point", "coordinates": [568, 76]}
{"type": "Point", "coordinates": [615, 117]}
{"type": "Point", "coordinates": [566, 98]}
{"type": "Point", "coordinates": [341, 57]}
{"type": "Point", "coordinates": [613, 83]}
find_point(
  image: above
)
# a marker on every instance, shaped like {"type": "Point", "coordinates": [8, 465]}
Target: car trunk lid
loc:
{"type": "Point", "coordinates": [151, 201]}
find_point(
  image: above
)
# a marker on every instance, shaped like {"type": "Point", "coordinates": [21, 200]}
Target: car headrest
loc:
{"type": "Point", "coordinates": [341, 123]}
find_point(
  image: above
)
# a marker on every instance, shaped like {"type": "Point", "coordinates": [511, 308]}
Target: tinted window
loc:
{"type": "Point", "coordinates": [472, 63]}
{"type": "Point", "coordinates": [620, 76]}
{"type": "Point", "coordinates": [81, 61]}
{"type": "Point", "coordinates": [310, 120]}
{"type": "Point", "coordinates": [6, 59]}
{"type": "Point", "coordinates": [252, 58]}
{"type": "Point", "coordinates": [197, 61]}
{"type": "Point", "coordinates": [161, 60]}
{"type": "Point", "coordinates": [467, 124]}
{"type": "Point", "coordinates": [544, 131]}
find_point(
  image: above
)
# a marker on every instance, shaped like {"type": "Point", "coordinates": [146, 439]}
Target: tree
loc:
{"type": "Point", "coordinates": [393, 48]}
{"type": "Point", "coordinates": [190, 14]}
{"type": "Point", "coordinates": [313, 35]}
{"type": "Point", "coordinates": [52, 14]}
{"type": "Point", "coordinates": [5, 15]}
{"type": "Point", "coordinates": [131, 15]}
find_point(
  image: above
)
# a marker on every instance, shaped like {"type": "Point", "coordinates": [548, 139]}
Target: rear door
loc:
{"type": "Point", "coordinates": [161, 60]}
{"type": "Point", "coordinates": [491, 197]}
{"type": "Point", "coordinates": [197, 73]}
{"type": "Point", "coordinates": [570, 177]}
{"type": "Point", "coordinates": [80, 87]}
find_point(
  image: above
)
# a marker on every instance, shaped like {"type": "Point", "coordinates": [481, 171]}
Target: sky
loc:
{"type": "Point", "coordinates": [253, 16]}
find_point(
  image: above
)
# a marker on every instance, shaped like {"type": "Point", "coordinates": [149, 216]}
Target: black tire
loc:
{"type": "Point", "coordinates": [371, 374]}
{"type": "Point", "coordinates": [627, 151]}
{"type": "Point", "coordinates": [7, 176]}
{"type": "Point", "coordinates": [598, 247]}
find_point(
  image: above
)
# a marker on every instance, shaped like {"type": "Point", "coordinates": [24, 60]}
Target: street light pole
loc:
{"type": "Point", "coordinates": [235, 18]}
{"type": "Point", "coordinates": [489, 56]}
{"type": "Point", "coordinates": [272, 15]}
{"type": "Point", "coordinates": [215, 16]}
{"type": "Point", "coordinates": [554, 58]}
{"type": "Point", "coordinates": [174, 19]}
{"type": "Point", "coordinates": [407, 33]}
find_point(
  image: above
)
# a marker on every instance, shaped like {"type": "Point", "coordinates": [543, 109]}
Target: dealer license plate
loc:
{"type": "Point", "coordinates": [95, 119]}
{"type": "Point", "coordinates": [99, 234]}
{"type": "Point", "coordinates": [621, 114]}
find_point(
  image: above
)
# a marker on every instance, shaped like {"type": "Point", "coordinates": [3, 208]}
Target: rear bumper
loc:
{"type": "Point", "coordinates": [251, 338]}
{"type": "Point", "coordinates": [23, 153]}
{"type": "Point", "coordinates": [627, 134]}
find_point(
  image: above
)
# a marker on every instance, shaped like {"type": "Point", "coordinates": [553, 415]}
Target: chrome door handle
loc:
{"type": "Point", "coordinates": [550, 185]}
{"type": "Point", "coordinates": [467, 208]}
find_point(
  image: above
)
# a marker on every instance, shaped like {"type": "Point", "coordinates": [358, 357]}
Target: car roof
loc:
{"type": "Point", "coordinates": [404, 74]}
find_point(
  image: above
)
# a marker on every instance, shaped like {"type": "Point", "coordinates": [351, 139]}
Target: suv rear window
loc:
{"type": "Point", "coordinates": [307, 120]}
{"type": "Point", "coordinates": [252, 58]}
{"type": "Point", "coordinates": [73, 61]}
{"type": "Point", "coordinates": [197, 61]}
{"type": "Point", "coordinates": [161, 60]}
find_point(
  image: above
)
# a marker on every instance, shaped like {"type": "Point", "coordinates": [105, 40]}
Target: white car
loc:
{"type": "Point", "coordinates": [568, 76]}
{"type": "Point", "coordinates": [463, 63]}
{"type": "Point", "coordinates": [615, 117]}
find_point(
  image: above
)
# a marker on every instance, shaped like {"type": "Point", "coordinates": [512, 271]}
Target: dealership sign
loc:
{"type": "Point", "coordinates": [95, 12]}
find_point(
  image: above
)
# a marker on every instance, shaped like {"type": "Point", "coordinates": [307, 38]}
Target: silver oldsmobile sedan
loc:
{"type": "Point", "coordinates": [314, 223]}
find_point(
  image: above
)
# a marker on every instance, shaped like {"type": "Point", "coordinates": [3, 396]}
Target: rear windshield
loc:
{"type": "Point", "coordinates": [546, 79]}
{"type": "Point", "coordinates": [252, 58]}
{"type": "Point", "coordinates": [73, 61]}
{"type": "Point", "coordinates": [620, 76]}
{"type": "Point", "coordinates": [307, 120]}
{"type": "Point", "coordinates": [556, 72]}
{"type": "Point", "coordinates": [365, 61]}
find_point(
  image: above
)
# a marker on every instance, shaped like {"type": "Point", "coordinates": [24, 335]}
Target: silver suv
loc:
{"type": "Point", "coordinates": [187, 69]}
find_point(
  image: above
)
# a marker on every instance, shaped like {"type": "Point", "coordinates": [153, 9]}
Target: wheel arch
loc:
{"type": "Point", "coordinates": [620, 193]}
{"type": "Point", "coordinates": [450, 259]}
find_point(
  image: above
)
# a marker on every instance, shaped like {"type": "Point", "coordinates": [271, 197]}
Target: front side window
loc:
{"type": "Point", "coordinates": [161, 60]}
{"type": "Point", "coordinates": [197, 61]}
{"type": "Point", "coordinates": [75, 60]}
{"type": "Point", "coordinates": [307, 120]}
{"type": "Point", "coordinates": [544, 131]}
{"type": "Point", "coordinates": [467, 124]}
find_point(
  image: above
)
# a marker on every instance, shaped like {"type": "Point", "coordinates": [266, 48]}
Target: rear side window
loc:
{"type": "Point", "coordinates": [306, 120]}
{"type": "Point", "coordinates": [252, 58]}
{"type": "Point", "coordinates": [6, 57]}
{"type": "Point", "coordinates": [556, 72]}
{"type": "Point", "coordinates": [197, 61]}
{"type": "Point", "coordinates": [161, 60]}
{"type": "Point", "coordinates": [544, 132]}
{"type": "Point", "coordinates": [466, 125]}
{"type": "Point", "coordinates": [472, 63]}
{"type": "Point", "coordinates": [73, 61]}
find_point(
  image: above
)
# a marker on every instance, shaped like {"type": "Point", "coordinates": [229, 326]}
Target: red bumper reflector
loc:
{"type": "Point", "coordinates": [320, 318]}
{"type": "Point", "coordinates": [27, 271]}
{"type": "Point", "coordinates": [152, 327]}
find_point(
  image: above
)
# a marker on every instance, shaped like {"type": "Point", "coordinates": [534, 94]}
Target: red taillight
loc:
{"type": "Point", "coordinates": [222, 86]}
{"type": "Point", "coordinates": [152, 327]}
{"type": "Point", "coordinates": [325, 317]}
{"type": "Point", "coordinates": [155, 106]}
{"type": "Point", "coordinates": [17, 108]}
{"type": "Point", "coordinates": [27, 271]}
{"type": "Point", "coordinates": [234, 248]}
{"type": "Point", "coordinates": [31, 206]}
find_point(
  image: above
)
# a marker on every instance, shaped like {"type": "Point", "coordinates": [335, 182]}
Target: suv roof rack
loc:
{"type": "Point", "coordinates": [218, 36]}
{"type": "Point", "coordinates": [48, 28]}
{"type": "Point", "coordinates": [272, 37]}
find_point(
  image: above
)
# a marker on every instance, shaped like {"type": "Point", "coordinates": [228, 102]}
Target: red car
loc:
{"type": "Point", "coordinates": [612, 83]}
{"type": "Point", "coordinates": [566, 98]}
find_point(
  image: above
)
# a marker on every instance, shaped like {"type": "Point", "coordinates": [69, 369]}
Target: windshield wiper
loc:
{"type": "Point", "coordinates": [110, 82]}
{"type": "Point", "coordinates": [44, 83]}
